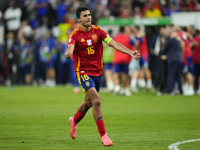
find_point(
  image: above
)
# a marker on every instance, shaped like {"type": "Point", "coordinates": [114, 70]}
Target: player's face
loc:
{"type": "Point", "coordinates": [167, 31]}
{"type": "Point", "coordinates": [127, 30]}
{"type": "Point", "coordinates": [135, 30]}
{"type": "Point", "coordinates": [85, 18]}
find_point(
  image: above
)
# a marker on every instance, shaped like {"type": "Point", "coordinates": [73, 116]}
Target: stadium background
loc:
{"type": "Point", "coordinates": [36, 117]}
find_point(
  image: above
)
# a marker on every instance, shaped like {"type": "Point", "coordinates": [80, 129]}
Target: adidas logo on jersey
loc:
{"type": "Point", "coordinates": [82, 40]}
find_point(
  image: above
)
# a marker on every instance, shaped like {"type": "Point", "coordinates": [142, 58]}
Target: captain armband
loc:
{"type": "Point", "coordinates": [107, 40]}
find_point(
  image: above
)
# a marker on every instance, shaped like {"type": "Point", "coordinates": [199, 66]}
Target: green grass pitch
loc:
{"type": "Point", "coordinates": [36, 118]}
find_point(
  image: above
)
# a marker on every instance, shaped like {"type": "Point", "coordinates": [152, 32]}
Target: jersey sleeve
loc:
{"type": "Point", "coordinates": [132, 42]}
{"type": "Point", "coordinates": [71, 40]}
{"type": "Point", "coordinates": [139, 39]}
{"type": "Point", "coordinates": [72, 37]}
{"type": "Point", "coordinates": [105, 37]}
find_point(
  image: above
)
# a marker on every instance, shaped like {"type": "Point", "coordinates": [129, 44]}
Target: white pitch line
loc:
{"type": "Point", "coordinates": [174, 146]}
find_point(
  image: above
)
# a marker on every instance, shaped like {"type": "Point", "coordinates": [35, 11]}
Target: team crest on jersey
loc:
{"type": "Point", "coordinates": [70, 39]}
{"type": "Point", "coordinates": [89, 42]}
{"type": "Point", "coordinates": [94, 37]}
{"type": "Point", "coordinates": [87, 83]}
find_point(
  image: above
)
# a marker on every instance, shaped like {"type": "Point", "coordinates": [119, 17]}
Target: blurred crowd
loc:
{"type": "Point", "coordinates": [54, 12]}
{"type": "Point", "coordinates": [175, 57]}
{"type": "Point", "coordinates": [34, 35]}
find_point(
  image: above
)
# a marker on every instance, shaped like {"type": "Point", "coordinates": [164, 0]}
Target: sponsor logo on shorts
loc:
{"type": "Point", "coordinates": [87, 83]}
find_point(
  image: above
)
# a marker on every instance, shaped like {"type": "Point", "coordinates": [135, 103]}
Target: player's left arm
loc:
{"type": "Point", "coordinates": [121, 48]}
{"type": "Point", "coordinates": [118, 46]}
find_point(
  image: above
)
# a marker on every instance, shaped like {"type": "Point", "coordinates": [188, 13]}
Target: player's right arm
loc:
{"type": "Point", "coordinates": [71, 44]}
{"type": "Point", "coordinates": [69, 51]}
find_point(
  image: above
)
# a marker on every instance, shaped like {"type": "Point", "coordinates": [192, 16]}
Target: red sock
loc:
{"type": "Point", "coordinates": [101, 127]}
{"type": "Point", "coordinates": [78, 116]}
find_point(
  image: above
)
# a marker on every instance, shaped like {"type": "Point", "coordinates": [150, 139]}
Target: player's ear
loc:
{"type": "Point", "coordinates": [79, 20]}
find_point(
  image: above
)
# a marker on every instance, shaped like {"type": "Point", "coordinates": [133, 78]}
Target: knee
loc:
{"type": "Point", "coordinates": [96, 103]}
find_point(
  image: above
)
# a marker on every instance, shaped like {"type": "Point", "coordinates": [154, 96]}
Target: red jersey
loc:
{"type": "Point", "coordinates": [121, 57]}
{"type": "Point", "coordinates": [143, 48]}
{"type": "Point", "coordinates": [187, 50]}
{"type": "Point", "coordinates": [196, 54]}
{"type": "Point", "coordinates": [88, 51]}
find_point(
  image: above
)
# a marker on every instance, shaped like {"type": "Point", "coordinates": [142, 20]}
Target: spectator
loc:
{"type": "Point", "coordinates": [12, 17]}
{"type": "Point", "coordinates": [156, 4]}
{"type": "Point", "coordinates": [161, 82]}
{"type": "Point", "coordinates": [61, 10]}
{"type": "Point", "coordinates": [125, 11]}
{"type": "Point", "coordinates": [47, 57]}
{"type": "Point", "coordinates": [172, 50]}
{"type": "Point", "coordinates": [145, 7]}
{"type": "Point", "coordinates": [171, 9]}
{"type": "Point", "coordinates": [29, 6]}
{"type": "Point", "coordinates": [26, 58]}
{"type": "Point", "coordinates": [42, 28]}
{"type": "Point", "coordinates": [24, 24]}
{"type": "Point", "coordinates": [114, 7]}
{"type": "Point", "coordinates": [51, 15]}
{"type": "Point", "coordinates": [11, 48]}
{"type": "Point", "coordinates": [188, 5]}
{"type": "Point", "coordinates": [137, 3]}
{"type": "Point", "coordinates": [152, 12]}
{"type": "Point", "coordinates": [155, 49]}
{"type": "Point", "coordinates": [64, 28]}
{"type": "Point", "coordinates": [137, 13]}
{"type": "Point", "coordinates": [41, 7]}
{"type": "Point", "coordinates": [97, 12]}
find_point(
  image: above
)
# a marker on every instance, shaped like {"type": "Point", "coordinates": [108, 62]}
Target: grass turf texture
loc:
{"type": "Point", "coordinates": [37, 118]}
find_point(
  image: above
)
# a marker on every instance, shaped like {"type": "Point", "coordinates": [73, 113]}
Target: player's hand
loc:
{"type": "Point", "coordinates": [68, 54]}
{"type": "Point", "coordinates": [136, 55]}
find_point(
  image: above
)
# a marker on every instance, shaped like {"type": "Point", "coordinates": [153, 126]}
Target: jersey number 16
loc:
{"type": "Point", "coordinates": [90, 50]}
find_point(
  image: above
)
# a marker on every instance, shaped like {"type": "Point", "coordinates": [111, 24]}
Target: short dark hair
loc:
{"type": "Point", "coordinates": [197, 32]}
{"type": "Point", "coordinates": [80, 9]}
{"type": "Point", "coordinates": [137, 27]}
{"type": "Point", "coordinates": [171, 27]}
{"type": "Point", "coordinates": [110, 31]}
{"type": "Point", "coordinates": [121, 29]}
{"type": "Point", "coordinates": [184, 28]}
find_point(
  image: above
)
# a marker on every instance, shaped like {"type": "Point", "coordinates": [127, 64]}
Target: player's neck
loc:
{"type": "Point", "coordinates": [85, 29]}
